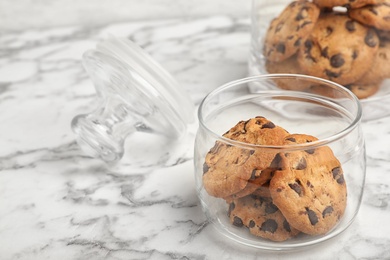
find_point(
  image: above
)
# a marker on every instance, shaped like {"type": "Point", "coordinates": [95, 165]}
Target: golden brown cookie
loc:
{"type": "Point", "coordinates": [310, 191]}
{"type": "Point", "coordinates": [346, 3]}
{"type": "Point", "coordinates": [262, 218]}
{"type": "Point", "coordinates": [289, 30]}
{"type": "Point", "coordinates": [377, 16]}
{"type": "Point", "coordinates": [258, 181]}
{"type": "Point", "coordinates": [338, 49]}
{"type": "Point", "coordinates": [229, 168]}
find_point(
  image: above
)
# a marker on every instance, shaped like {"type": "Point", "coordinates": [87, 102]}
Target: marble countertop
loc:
{"type": "Point", "coordinates": [57, 203]}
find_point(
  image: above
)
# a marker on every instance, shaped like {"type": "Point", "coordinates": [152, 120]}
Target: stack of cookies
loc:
{"type": "Point", "coordinates": [276, 194]}
{"type": "Point", "coordinates": [344, 41]}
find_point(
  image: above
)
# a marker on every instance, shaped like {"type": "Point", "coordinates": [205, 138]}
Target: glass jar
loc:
{"type": "Point", "coordinates": [240, 171]}
{"type": "Point", "coordinates": [310, 39]}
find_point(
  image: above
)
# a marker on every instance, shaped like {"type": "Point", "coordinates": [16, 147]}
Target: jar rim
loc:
{"type": "Point", "coordinates": [320, 142]}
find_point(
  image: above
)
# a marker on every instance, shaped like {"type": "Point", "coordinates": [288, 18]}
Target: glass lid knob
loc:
{"type": "Point", "coordinates": [134, 94]}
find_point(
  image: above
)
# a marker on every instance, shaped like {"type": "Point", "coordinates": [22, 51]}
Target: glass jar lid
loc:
{"type": "Point", "coordinates": [134, 94]}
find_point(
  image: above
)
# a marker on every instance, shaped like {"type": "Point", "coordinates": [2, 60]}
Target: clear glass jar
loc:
{"type": "Point", "coordinates": [361, 68]}
{"type": "Point", "coordinates": [228, 169]}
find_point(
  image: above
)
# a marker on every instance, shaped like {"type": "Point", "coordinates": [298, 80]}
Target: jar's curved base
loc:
{"type": "Point", "coordinates": [220, 222]}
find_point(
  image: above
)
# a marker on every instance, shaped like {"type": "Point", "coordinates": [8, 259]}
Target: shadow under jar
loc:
{"type": "Point", "coordinates": [319, 38]}
{"type": "Point", "coordinates": [280, 168]}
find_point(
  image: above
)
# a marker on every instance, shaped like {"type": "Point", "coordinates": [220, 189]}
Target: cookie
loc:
{"type": "Point", "coordinates": [346, 3]}
{"type": "Point", "coordinates": [289, 30]}
{"type": "Point", "coordinates": [310, 191]}
{"type": "Point", "coordinates": [377, 16]}
{"type": "Point", "coordinates": [322, 54]}
{"type": "Point", "coordinates": [258, 181]}
{"type": "Point", "coordinates": [363, 91]}
{"type": "Point", "coordinates": [261, 217]}
{"type": "Point", "coordinates": [229, 168]}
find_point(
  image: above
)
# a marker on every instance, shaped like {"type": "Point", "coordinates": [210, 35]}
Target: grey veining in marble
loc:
{"type": "Point", "coordinates": [56, 203]}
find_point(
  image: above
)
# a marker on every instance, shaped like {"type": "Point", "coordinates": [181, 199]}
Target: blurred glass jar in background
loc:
{"type": "Point", "coordinates": [330, 42]}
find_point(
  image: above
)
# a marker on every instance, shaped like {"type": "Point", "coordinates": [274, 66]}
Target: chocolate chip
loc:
{"type": "Point", "coordinates": [244, 128]}
{"type": "Point", "coordinates": [301, 164]}
{"type": "Point", "coordinates": [337, 60]}
{"type": "Point", "coordinates": [276, 162]}
{"type": "Point", "coordinates": [373, 10]}
{"type": "Point", "coordinates": [308, 45]}
{"type": "Point", "coordinates": [332, 74]}
{"type": "Point", "coordinates": [304, 24]}
{"type": "Point", "coordinates": [231, 208]}
{"type": "Point", "coordinates": [205, 168]}
{"type": "Point", "coordinates": [370, 39]}
{"type": "Point", "coordinates": [270, 208]}
{"type": "Point", "coordinates": [327, 211]}
{"type": "Point", "coordinates": [310, 151]}
{"type": "Point", "coordinates": [237, 222]}
{"type": "Point", "coordinates": [329, 31]}
{"type": "Point", "coordinates": [268, 125]}
{"type": "Point", "coordinates": [297, 43]}
{"type": "Point", "coordinates": [269, 225]}
{"type": "Point", "coordinates": [312, 216]}
{"type": "Point", "coordinates": [308, 183]}
{"type": "Point", "coordinates": [252, 224]}
{"type": "Point", "coordinates": [296, 186]}
{"type": "Point", "coordinates": [350, 25]}
{"type": "Point", "coordinates": [279, 27]}
{"type": "Point", "coordinates": [324, 52]}
{"type": "Point", "coordinates": [355, 54]}
{"type": "Point", "coordinates": [281, 48]}
{"type": "Point", "coordinates": [338, 175]}
{"type": "Point", "coordinates": [286, 226]}
{"type": "Point", "coordinates": [336, 172]}
{"type": "Point", "coordinates": [291, 139]}
{"type": "Point", "coordinates": [340, 180]}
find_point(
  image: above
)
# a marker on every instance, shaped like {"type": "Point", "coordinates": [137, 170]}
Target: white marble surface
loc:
{"type": "Point", "coordinates": [56, 203]}
{"type": "Point", "coordinates": [17, 15]}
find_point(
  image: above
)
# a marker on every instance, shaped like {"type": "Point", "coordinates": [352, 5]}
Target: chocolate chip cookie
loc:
{"type": "Point", "coordinates": [289, 30]}
{"type": "Point", "coordinates": [310, 191]}
{"type": "Point", "coordinates": [338, 49]}
{"type": "Point", "coordinates": [262, 218]}
{"type": "Point", "coordinates": [377, 16]}
{"type": "Point", "coordinates": [229, 168]}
